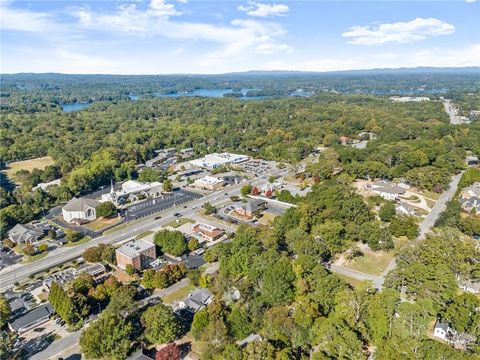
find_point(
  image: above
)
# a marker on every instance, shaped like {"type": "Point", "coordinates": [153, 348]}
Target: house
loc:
{"type": "Point", "coordinates": [249, 208]}
{"type": "Point", "coordinates": [45, 186]}
{"type": "Point", "coordinates": [32, 319]}
{"type": "Point", "coordinates": [186, 153]}
{"type": "Point", "coordinates": [471, 191]}
{"type": "Point", "coordinates": [443, 331]}
{"type": "Point", "coordinates": [470, 286]}
{"type": "Point", "coordinates": [132, 191]}
{"type": "Point", "coordinates": [208, 183]}
{"type": "Point", "coordinates": [215, 160]}
{"type": "Point", "coordinates": [208, 232]}
{"type": "Point", "coordinates": [196, 300]}
{"type": "Point", "coordinates": [404, 208]}
{"type": "Point", "coordinates": [387, 191]}
{"type": "Point", "coordinates": [97, 271]}
{"type": "Point", "coordinates": [80, 209]}
{"type": "Point", "coordinates": [472, 203]}
{"type": "Point", "coordinates": [22, 234]}
{"type": "Point", "coordinates": [140, 354]}
{"type": "Point", "coordinates": [138, 253]}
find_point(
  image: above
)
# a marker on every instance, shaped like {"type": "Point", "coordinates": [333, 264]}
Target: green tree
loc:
{"type": "Point", "coordinates": [238, 322]}
{"type": "Point", "coordinates": [130, 270]}
{"type": "Point", "coordinates": [387, 211]}
{"type": "Point", "coordinates": [193, 244]}
{"type": "Point", "coordinates": [106, 210]}
{"type": "Point", "coordinates": [161, 325]}
{"type": "Point", "coordinates": [167, 185]}
{"type": "Point", "coordinates": [200, 322]}
{"type": "Point", "coordinates": [171, 242]}
{"type": "Point", "coordinates": [246, 189]}
{"type": "Point", "coordinates": [148, 175]}
{"type": "Point", "coordinates": [4, 311]}
{"type": "Point", "coordinates": [108, 337]}
{"type": "Point", "coordinates": [209, 209]}
{"type": "Point", "coordinates": [72, 235]}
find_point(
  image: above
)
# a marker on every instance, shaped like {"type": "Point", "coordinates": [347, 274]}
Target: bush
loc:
{"type": "Point", "coordinates": [193, 244]}
{"type": "Point", "coordinates": [171, 242]}
{"type": "Point", "coordinates": [106, 209]}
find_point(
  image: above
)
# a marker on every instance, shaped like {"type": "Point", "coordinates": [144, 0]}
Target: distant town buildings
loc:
{"type": "Point", "coordinates": [80, 209]}
{"type": "Point", "coordinates": [138, 253]}
{"type": "Point", "coordinates": [215, 160]}
{"type": "Point", "coordinates": [409, 98]}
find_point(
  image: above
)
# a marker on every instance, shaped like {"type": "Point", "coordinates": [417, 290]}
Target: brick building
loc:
{"type": "Point", "coordinates": [138, 253]}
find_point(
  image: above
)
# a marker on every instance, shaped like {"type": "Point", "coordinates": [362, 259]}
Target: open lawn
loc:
{"type": "Point", "coordinates": [349, 280]}
{"type": "Point", "coordinates": [27, 259]}
{"type": "Point", "coordinates": [37, 163]}
{"type": "Point", "coordinates": [372, 262]}
{"type": "Point", "coordinates": [102, 223]}
{"type": "Point", "coordinates": [179, 222]}
{"type": "Point", "coordinates": [179, 294]}
{"type": "Point", "coordinates": [267, 219]}
{"type": "Point", "coordinates": [144, 235]}
{"type": "Point", "coordinates": [81, 241]}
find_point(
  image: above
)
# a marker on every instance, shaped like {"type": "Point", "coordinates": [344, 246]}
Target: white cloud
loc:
{"type": "Point", "coordinates": [24, 20]}
{"type": "Point", "coordinates": [399, 32]}
{"type": "Point", "coordinates": [161, 8]}
{"type": "Point", "coordinates": [264, 10]}
{"type": "Point", "coordinates": [471, 1]}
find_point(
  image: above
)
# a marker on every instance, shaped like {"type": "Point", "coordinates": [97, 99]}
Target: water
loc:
{"type": "Point", "coordinates": [214, 93]}
{"type": "Point", "coordinates": [75, 106]}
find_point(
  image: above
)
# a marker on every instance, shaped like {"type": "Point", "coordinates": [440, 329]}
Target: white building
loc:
{"type": "Point", "coordinates": [387, 191]}
{"type": "Point", "coordinates": [208, 183]}
{"type": "Point", "coordinates": [409, 98]}
{"type": "Point", "coordinates": [131, 190]}
{"type": "Point", "coordinates": [45, 186]}
{"type": "Point", "coordinates": [215, 160]}
{"type": "Point", "coordinates": [443, 331]}
{"type": "Point", "coordinates": [82, 209]}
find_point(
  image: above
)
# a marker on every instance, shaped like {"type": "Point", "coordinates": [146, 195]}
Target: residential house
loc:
{"type": "Point", "coordinates": [25, 233]}
{"type": "Point", "coordinates": [249, 208]}
{"type": "Point", "coordinates": [404, 208]}
{"type": "Point", "coordinates": [80, 209]}
{"type": "Point", "coordinates": [470, 286]}
{"type": "Point", "coordinates": [443, 331]}
{"type": "Point", "coordinates": [208, 232]}
{"type": "Point", "coordinates": [32, 319]}
{"type": "Point", "coordinates": [472, 203]}
{"type": "Point", "coordinates": [208, 183]}
{"type": "Point", "coordinates": [387, 191]}
{"type": "Point", "coordinates": [196, 300]}
{"type": "Point", "coordinates": [140, 354]}
{"type": "Point", "coordinates": [138, 253]}
{"type": "Point", "coordinates": [471, 191]}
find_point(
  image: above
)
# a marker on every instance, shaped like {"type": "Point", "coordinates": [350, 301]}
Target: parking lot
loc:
{"type": "Point", "coordinates": [258, 167]}
{"type": "Point", "coordinates": [151, 206]}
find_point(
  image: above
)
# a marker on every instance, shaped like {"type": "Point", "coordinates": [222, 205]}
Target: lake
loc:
{"type": "Point", "coordinates": [75, 106]}
{"type": "Point", "coordinates": [214, 93]}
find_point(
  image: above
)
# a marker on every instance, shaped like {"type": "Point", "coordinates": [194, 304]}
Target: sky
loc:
{"type": "Point", "coordinates": [205, 37]}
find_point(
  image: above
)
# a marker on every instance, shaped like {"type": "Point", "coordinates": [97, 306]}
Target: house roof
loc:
{"type": "Point", "coordinates": [134, 248]}
{"type": "Point", "coordinates": [442, 325]}
{"type": "Point", "coordinates": [139, 355]}
{"type": "Point", "coordinates": [253, 205]}
{"type": "Point", "coordinates": [80, 204]}
{"type": "Point", "coordinates": [473, 190]}
{"type": "Point", "coordinates": [250, 338]}
{"type": "Point", "coordinates": [197, 298]}
{"type": "Point", "coordinates": [24, 233]}
{"type": "Point", "coordinates": [32, 316]}
{"type": "Point", "coordinates": [387, 188]}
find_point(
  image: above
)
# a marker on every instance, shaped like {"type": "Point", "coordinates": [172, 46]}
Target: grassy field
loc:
{"type": "Point", "coordinates": [37, 163]}
{"type": "Point", "coordinates": [144, 235]}
{"type": "Point", "coordinates": [179, 294]}
{"type": "Point", "coordinates": [28, 259]}
{"type": "Point", "coordinates": [267, 219]}
{"type": "Point", "coordinates": [349, 280]}
{"type": "Point", "coordinates": [177, 223]}
{"type": "Point", "coordinates": [371, 262]}
{"type": "Point", "coordinates": [102, 223]}
{"type": "Point", "coordinates": [431, 195]}
{"type": "Point", "coordinates": [81, 241]}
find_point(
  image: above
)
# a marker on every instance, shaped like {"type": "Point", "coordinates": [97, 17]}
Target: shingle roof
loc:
{"type": "Point", "coordinates": [32, 316]}
{"type": "Point", "coordinates": [80, 204]}
{"type": "Point", "coordinates": [24, 233]}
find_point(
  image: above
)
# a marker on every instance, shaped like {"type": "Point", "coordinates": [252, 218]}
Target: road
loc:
{"type": "Point", "coordinates": [452, 112]}
{"type": "Point", "coordinates": [21, 272]}
{"type": "Point", "coordinates": [425, 226]}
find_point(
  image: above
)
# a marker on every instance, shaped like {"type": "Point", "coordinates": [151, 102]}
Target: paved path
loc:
{"type": "Point", "coordinates": [21, 272]}
{"type": "Point", "coordinates": [451, 110]}
{"type": "Point", "coordinates": [58, 346]}
{"type": "Point", "coordinates": [425, 226]}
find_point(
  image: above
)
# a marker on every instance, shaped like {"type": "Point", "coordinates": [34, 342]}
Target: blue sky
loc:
{"type": "Point", "coordinates": [190, 36]}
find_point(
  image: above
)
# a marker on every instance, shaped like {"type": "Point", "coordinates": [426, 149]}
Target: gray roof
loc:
{"type": "Point", "coordinates": [80, 204]}
{"type": "Point", "coordinates": [253, 205]}
{"type": "Point", "coordinates": [442, 325]}
{"type": "Point", "coordinates": [250, 338]}
{"type": "Point", "coordinates": [24, 233]}
{"type": "Point", "coordinates": [197, 298]}
{"type": "Point", "coordinates": [134, 247]}
{"type": "Point", "coordinates": [32, 316]}
{"type": "Point", "coordinates": [387, 188]}
{"type": "Point", "coordinates": [474, 189]}
{"type": "Point", "coordinates": [139, 355]}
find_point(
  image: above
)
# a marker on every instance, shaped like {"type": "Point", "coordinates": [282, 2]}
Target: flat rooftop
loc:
{"type": "Point", "coordinates": [134, 248]}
